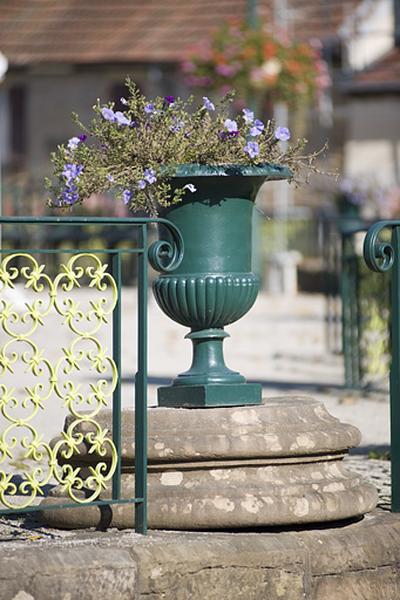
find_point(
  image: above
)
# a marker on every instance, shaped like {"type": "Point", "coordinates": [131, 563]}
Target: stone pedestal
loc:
{"type": "Point", "coordinates": [277, 464]}
{"type": "Point", "coordinates": [281, 273]}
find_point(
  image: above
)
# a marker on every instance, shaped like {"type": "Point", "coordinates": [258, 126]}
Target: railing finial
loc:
{"type": "Point", "coordinates": [379, 255]}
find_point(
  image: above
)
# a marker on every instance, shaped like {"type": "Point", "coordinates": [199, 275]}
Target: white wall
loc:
{"type": "Point", "coordinates": [3, 126]}
{"type": "Point", "coordinates": [372, 149]}
{"type": "Point", "coordinates": [53, 93]}
{"type": "Point", "coordinates": [368, 32]}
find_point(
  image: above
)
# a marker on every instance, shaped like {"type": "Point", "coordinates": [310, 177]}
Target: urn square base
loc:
{"type": "Point", "coordinates": [197, 396]}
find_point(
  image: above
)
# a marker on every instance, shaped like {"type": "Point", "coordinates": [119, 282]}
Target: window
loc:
{"type": "Point", "coordinates": [18, 124]}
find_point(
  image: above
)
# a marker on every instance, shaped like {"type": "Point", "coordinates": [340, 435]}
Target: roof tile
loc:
{"type": "Point", "coordinates": [88, 31]}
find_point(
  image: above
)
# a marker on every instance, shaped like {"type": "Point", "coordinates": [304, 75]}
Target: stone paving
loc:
{"type": "Point", "coordinates": [376, 472]}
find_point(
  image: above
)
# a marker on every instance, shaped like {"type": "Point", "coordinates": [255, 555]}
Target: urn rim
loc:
{"type": "Point", "coordinates": [268, 171]}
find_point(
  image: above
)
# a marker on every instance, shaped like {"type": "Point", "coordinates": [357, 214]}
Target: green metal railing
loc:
{"type": "Point", "coordinates": [351, 310]}
{"type": "Point", "coordinates": [383, 256]}
{"type": "Point", "coordinates": [55, 378]}
{"type": "Point", "coordinates": [365, 315]}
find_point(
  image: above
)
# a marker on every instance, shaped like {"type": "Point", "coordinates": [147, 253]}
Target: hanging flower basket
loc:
{"type": "Point", "coordinates": [256, 62]}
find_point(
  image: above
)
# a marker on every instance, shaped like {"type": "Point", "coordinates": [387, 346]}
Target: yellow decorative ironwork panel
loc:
{"type": "Point", "coordinates": [54, 379]}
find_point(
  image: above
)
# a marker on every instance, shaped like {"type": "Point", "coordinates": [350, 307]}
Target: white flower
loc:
{"type": "Point", "coordinates": [208, 105]}
{"type": "Point", "coordinates": [189, 186]}
{"type": "Point", "coordinates": [231, 125]}
{"type": "Point", "coordinates": [73, 143]}
{"type": "Point", "coordinates": [248, 116]}
{"type": "Point", "coordinates": [272, 67]}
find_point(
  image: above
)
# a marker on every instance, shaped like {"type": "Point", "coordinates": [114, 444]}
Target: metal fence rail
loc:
{"type": "Point", "coordinates": [365, 315]}
{"type": "Point", "coordinates": [351, 310]}
{"type": "Point", "coordinates": [383, 256]}
{"type": "Point", "coordinates": [53, 377]}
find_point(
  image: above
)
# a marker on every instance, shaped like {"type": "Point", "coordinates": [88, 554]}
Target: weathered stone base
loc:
{"type": "Point", "coordinates": [280, 463]}
{"type": "Point", "coordinates": [227, 496]}
{"type": "Point", "coordinates": [358, 561]}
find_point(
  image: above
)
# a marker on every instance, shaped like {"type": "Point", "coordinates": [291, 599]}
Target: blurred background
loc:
{"type": "Point", "coordinates": [327, 69]}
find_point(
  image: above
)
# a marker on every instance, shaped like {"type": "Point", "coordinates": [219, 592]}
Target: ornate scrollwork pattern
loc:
{"type": "Point", "coordinates": [54, 378]}
{"type": "Point", "coordinates": [166, 255]}
{"type": "Point", "coordinates": [379, 255]}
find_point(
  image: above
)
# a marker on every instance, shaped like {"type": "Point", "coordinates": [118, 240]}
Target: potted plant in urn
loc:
{"type": "Point", "coordinates": [200, 168]}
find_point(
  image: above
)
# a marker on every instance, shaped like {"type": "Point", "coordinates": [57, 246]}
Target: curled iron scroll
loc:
{"type": "Point", "coordinates": [379, 255]}
{"type": "Point", "coordinates": [165, 256]}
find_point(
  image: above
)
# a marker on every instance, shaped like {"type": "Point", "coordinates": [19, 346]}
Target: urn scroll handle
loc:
{"type": "Point", "coordinates": [166, 255]}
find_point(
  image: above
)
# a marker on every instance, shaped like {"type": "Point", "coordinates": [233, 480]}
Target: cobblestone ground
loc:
{"type": "Point", "coordinates": [376, 472]}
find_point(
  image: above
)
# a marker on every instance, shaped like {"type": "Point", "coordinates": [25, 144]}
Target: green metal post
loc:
{"type": "Point", "coordinates": [251, 13]}
{"type": "Point", "coordinates": [350, 318]}
{"type": "Point", "coordinates": [251, 21]}
{"type": "Point", "coordinates": [355, 319]}
{"type": "Point", "coordinates": [116, 412]}
{"type": "Point", "coordinates": [141, 392]}
{"type": "Point", "coordinates": [395, 372]}
{"type": "Point", "coordinates": [346, 315]}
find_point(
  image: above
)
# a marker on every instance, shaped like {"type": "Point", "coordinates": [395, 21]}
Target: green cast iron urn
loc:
{"type": "Point", "coordinates": [213, 285]}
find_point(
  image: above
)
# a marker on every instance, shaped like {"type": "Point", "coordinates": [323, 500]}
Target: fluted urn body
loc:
{"type": "Point", "coordinates": [214, 285]}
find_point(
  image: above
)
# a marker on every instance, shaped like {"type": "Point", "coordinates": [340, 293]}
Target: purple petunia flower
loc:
{"type": "Point", "coordinates": [282, 134]}
{"type": "Point", "coordinates": [208, 105]}
{"type": "Point", "coordinates": [248, 116]}
{"type": "Point", "coordinates": [149, 108]}
{"type": "Point", "coordinates": [70, 195]}
{"type": "Point", "coordinates": [169, 100]}
{"type": "Point", "coordinates": [150, 175]}
{"type": "Point", "coordinates": [82, 137]}
{"type": "Point", "coordinates": [257, 129]}
{"type": "Point", "coordinates": [126, 196]}
{"type": "Point", "coordinates": [142, 184]}
{"type": "Point", "coordinates": [73, 143]}
{"type": "Point", "coordinates": [108, 114]}
{"type": "Point", "coordinates": [252, 149]}
{"type": "Point", "coordinates": [121, 118]}
{"type": "Point", "coordinates": [231, 125]}
{"type": "Point", "coordinates": [71, 171]}
{"type": "Point", "coordinates": [226, 70]}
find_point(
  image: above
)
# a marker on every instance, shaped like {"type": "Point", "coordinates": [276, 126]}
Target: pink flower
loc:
{"type": "Point", "coordinates": [188, 66]}
{"type": "Point", "coordinates": [225, 70]}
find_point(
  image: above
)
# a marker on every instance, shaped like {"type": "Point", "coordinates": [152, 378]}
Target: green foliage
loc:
{"type": "Point", "coordinates": [135, 153]}
{"type": "Point", "coordinates": [379, 454]}
{"type": "Point", "coordinates": [374, 299]}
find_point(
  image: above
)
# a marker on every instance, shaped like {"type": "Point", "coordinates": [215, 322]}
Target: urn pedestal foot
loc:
{"type": "Point", "coordinates": [197, 396]}
{"type": "Point", "coordinates": [209, 382]}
